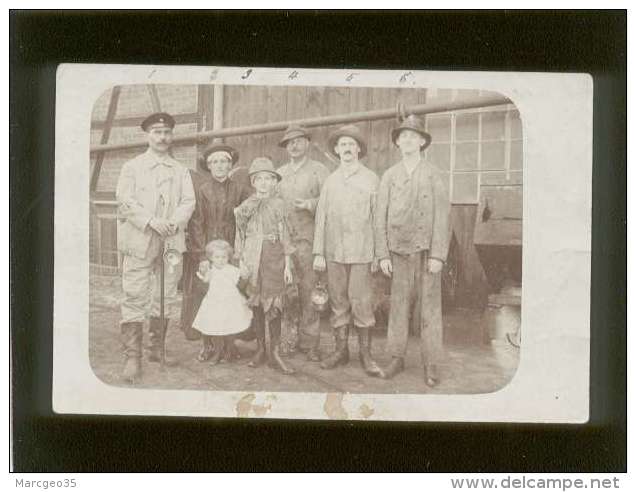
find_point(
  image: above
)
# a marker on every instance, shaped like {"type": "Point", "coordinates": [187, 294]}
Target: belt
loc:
{"type": "Point", "coordinates": [265, 237]}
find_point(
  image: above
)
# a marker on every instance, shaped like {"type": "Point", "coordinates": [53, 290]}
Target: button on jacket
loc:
{"type": "Point", "coordinates": [149, 187]}
{"type": "Point", "coordinates": [412, 212]}
{"type": "Point", "coordinates": [305, 182]}
{"type": "Point", "coordinates": [345, 216]}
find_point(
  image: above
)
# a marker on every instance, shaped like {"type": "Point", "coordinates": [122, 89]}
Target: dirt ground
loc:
{"type": "Point", "coordinates": [470, 365]}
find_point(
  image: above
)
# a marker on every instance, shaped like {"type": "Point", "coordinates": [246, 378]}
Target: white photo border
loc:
{"type": "Point", "coordinates": [551, 384]}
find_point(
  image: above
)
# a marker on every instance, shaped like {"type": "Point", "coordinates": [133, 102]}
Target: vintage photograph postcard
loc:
{"type": "Point", "coordinates": [322, 244]}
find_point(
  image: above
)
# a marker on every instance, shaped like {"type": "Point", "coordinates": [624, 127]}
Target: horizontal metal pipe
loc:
{"type": "Point", "coordinates": [376, 114]}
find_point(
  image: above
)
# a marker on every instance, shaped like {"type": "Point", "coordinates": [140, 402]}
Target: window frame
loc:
{"type": "Point", "coordinates": [508, 139]}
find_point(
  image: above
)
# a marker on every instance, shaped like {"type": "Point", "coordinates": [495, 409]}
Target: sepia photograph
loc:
{"type": "Point", "coordinates": [270, 233]}
{"type": "Point", "coordinates": [312, 239]}
{"type": "Point", "coordinates": [317, 240]}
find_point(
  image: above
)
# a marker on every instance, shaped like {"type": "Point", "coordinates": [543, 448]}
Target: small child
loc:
{"type": "Point", "coordinates": [224, 311]}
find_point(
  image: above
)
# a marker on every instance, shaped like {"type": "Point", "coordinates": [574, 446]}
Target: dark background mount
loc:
{"type": "Point", "coordinates": [563, 41]}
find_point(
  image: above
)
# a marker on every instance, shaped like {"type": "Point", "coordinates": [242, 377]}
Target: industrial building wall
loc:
{"type": "Point", "coordinates": [475, 147]}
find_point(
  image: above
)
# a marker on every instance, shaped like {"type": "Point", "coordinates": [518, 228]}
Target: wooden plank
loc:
{"type": "Point", "coordinates": [361, 99]}
{"type": "Point", "coordinates": [276, 109]}
{"type": "Point", "coordinates": [296, 98]}
{"type": "Point", "coordinates": [233, 96]}
{"type": "Point", "coordinates": [408, 96]}
{"type": "Point", "coordinates": [110, 117]}
{"type": "Point", "coordinates": [202, 112]}
{"type": "Point", "coordinates": [202, 103]}
{"type": "Point", "coordinates": [472, 288]}
{"type": "Point", "coordinates": [316, 105]}
{"type": "Point", "coordinates": [136, 121]}
{"type": "Point", "coordinates": [154, 98]}
{"type": "Point", "coordinates": [380, 145]}
{"type": "Point", "coordinates": [257, 112]}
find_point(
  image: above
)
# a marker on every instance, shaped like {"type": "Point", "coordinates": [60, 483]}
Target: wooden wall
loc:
{"type": "Point", "coordinates": [249, 105]}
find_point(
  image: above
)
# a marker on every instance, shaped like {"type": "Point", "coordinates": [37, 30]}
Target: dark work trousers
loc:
{"type": "Point", "coordinates": [193, 291]}
{"type": "Point", "coordinates": [350, 289]}
{"type": "Point", "coordinates": [306, 281]}
{"type": "Point", "coordinates": [418, 293]}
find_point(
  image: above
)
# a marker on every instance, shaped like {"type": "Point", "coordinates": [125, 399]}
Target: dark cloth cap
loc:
{"type": "Point", "coordinates": [155, 118]}
{"type": "Point", "coordinates": [416, 124]}
{"type": "Point", "coordinates": [263, 164]}
{"type": "Point", "coordinates": [294, 131]}
{"type": "Point", "coordinates": [217, 147]}
{"type": "Point", "coordinates": [348, 131]}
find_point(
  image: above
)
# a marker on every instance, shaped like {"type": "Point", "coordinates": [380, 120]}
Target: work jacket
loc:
{"type": "Point", "coordinates": [412, 212]}
{"type": "Point", "coordinates": [345, 214]}
{"type": "Point", "coordinates": [305, 183]}
{"type": "Point", "coordinates": [150, 187]}
{"type": "Point", "coordinates": [214, 217]}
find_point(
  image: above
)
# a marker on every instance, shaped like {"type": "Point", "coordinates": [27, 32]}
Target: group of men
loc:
{"type": "Point", "coordinates": [347, 223]}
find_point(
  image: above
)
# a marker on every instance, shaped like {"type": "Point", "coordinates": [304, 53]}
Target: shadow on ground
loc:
{"type": "Point", "coordinates": [469, 365]}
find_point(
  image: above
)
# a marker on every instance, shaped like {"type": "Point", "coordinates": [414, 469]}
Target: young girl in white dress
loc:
{"type": "Point", "coordinates": [224, 310]}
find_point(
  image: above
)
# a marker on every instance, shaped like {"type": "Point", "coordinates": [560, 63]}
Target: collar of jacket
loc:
{"type": "Point", "coordinates": [153, 161]}
{"type": "Point", "coordinates": [403, 173]}
{"type": "Point", "coordinates": [294, 168]}
{"type": "Point", "coordinates": [347, 173]}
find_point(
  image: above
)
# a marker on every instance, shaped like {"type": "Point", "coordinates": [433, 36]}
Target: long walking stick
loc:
{"type": "Point", "coordinates": [162, 314]}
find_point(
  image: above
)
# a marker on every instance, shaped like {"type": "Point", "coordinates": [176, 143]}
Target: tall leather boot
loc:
{"type": "Point", "coordinates": [158, 342]}
{"type": "Point", "coordinates": [340, 356]}
{"type": "Point", "coordinates": [368, 364]}
{"type": "Point", "coordinates": [132, 333]}
{"type": "Point", "coordinates": [258, 325]}
{"type": "Point", "coordinates": [274, 353]}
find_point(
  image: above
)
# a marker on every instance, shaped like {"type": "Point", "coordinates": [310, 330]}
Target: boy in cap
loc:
{"type": "Point", "coordinates": [302, 180]}
{"type": "Point", "coordinates": [264, 249]}
{"type": "Point", "coordinates": [412, 237]}
{"type": "Point", "coordinates": [343, 245]}
{"type": "Point", "coordinates": [155, 201]}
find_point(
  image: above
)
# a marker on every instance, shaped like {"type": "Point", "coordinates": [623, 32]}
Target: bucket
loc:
{"type": "Point", "coordinates": [501, 322]}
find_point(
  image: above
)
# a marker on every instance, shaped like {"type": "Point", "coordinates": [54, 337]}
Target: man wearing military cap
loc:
{"type": "Point", "coordinates": [155, 201]}
{"type": "Point", "coordinates": [302, 180]}
{"type": "Point", "coordinates": [412, 237]}
{"type": "Point", "coordinates": [214, 219]}
{"type": "Point", "coordinates": [343, 245]}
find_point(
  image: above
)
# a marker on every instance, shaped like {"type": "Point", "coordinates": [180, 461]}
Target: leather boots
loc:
{"type": "Point", "coordinates": [275, 359]}
{"type": "Point", "coordinates": [368, 364]}
{"type": "Point", "coordinates": [340, 356]}
{"type": "Point", "coordinates": [132, 333]}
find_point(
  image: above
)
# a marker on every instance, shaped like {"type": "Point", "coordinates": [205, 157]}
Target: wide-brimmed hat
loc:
{"type": "Point", "coordinates": [292, 132]}
{"type": "Point", "coordinates": [164, 119]}
{"type": "Point", "coordinates": [217, 147]}
{"type": "Point", "coordinates": [263, 164]}
{"type": "Point", "coordinates": [416, 124]}
{"type": "Point", "coordinates": [348, 131]}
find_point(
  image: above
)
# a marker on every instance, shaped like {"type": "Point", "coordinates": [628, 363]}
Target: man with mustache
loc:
{"type": "Point", "coordinates": [302, 180]}
{"type": "Point", "coordinates": [343, 245]}
{"type": "Point", "coordinates": [412, 236]}
{"type": "Point", "coordinates": [155, 201]}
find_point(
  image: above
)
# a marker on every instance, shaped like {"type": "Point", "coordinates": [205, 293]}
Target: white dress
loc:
{"type": "Point", "coordinates": [224, 310]}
